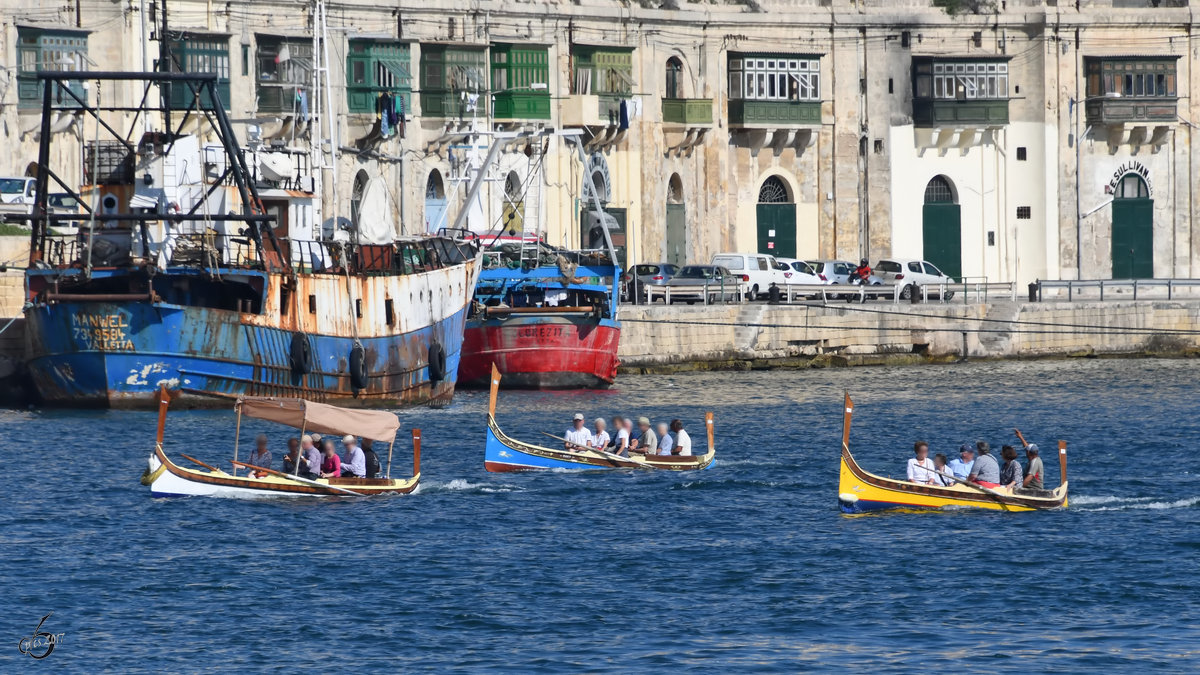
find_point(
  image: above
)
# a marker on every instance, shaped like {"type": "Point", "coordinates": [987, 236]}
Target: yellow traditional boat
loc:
{"type": "Point", "coordinates": [860, 491]}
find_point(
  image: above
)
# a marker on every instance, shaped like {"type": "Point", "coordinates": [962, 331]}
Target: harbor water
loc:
{"type": "Point", "coordinates": [748, 566]}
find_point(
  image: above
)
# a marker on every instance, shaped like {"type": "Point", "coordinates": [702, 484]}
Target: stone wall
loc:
{"type": "Point", "coordinates": [663, 336]}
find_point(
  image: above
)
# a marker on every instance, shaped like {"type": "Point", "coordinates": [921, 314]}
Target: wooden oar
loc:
{"type": "Point", "coordinates": [210, 467]}
{"type": "Point", "coordinates": [298, 479]}
{"type": "Point", "coordinates": [968, 483]}
{"type": "Point", "coordinates": [604, 453]}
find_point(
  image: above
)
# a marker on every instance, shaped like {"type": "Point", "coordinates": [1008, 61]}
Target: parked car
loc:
{"type": "Point", "coordinates": [17, 190]}
{"type": "Point", "coordinates": [708, 283]}
{"type": "Point", "coordinates": [758, 270]}
{"type": "Point", "coordinates": [906, 272]}
{"type": "Point", "coordinates": [800, 272]}
{"type": "Point", "coordinates": [838, 273]}
{"type": "Point", "coordinates": [646, 274]}
{"type": "Point", "coordinates": [63, 202]}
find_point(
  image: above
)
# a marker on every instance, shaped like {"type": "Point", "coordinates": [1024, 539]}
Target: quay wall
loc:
{"type": "Point", "coordinates": [655, 338]}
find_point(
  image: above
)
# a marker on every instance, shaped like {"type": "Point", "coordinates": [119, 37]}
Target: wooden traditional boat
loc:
{"type": "Point", "coordinates": [165, 478]}
{"type": "Point", "coordinates": [860, 491]}
{"type": "Point", "coordinates": [507, 454]}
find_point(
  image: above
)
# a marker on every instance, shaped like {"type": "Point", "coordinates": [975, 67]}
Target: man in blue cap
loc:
{"type": "Point", "coordinates": [961, 467]}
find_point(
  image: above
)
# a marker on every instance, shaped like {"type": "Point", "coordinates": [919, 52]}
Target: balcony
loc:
{"type": "Point", "coordinates": [450, 105]}
{"type": "Point", "coordinates": [1116, 111]}
{"type": "Point", "coordinates": [521, 105]}
{"type": "Point", "coordinates": [747, 114]}
{"type": "Point", "coordinates": [929, 112]}
{"type": "Point", "coordinates": [591, 110]}
{"type": "Point", "coordinates": [688, 112]}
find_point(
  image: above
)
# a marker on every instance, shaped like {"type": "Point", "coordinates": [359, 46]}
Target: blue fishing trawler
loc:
{"type": "Point", "coordinates": [184, 273]}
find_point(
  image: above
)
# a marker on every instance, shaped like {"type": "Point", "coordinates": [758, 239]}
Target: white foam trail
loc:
{"type": "Point", "coordinates": [463, 485]}
{"type": "Point", "coordinates": [1141, 504]}
{"type": "Point", "coordinates": [1107, 499]}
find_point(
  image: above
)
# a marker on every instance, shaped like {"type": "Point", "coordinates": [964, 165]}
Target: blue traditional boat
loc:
{"type": "Point", "coordinates": [176, 277]}
{"type": "Point", "coordinates": [502, 453]}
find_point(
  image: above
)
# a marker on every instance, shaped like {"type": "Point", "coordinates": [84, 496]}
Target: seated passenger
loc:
{"type": "Point", "coordinates": [986, 471]}
{"type": "Point", "coordinates": [920, 468]}
{"type": "Point", "coordinates": [620, 444]}
{"type": "Point", "coordinates": [372, 459]}
{"type": "Point", "coordinates": [1033, 472]}
{"type": "Point", "coordinates": [261, 455]}
{"type": "Point", "coordinates": [293, 456]}
{"type": "Point", "coordinates": [683, 442]}
{"type": "Point", "coordinates": [961, 467]}
{"type": "Point", "coordinates": [939, 464]}
{"type": "Point", "coordinates": [331, 465]}
{"type": "Point", "coordinates": [578, 437]}
{"type": "Point", "coordinates": [646, 441]}
{"type": "Point", "coordinates": [600, 438]}
{"type": "Point", "coordinates": [354, 463]}
{"type": "Point", "coordinates": [310, 467]}
{"type": "Point", "coordinates": [1011, 476]}
{"type": "Point", "coordinates": [665, 442]}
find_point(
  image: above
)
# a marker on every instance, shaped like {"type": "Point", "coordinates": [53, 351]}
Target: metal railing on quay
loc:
{"type": "Point", "coordinates": [707, 293]}
{"type": "Point", "coordinates": [1116, 289]}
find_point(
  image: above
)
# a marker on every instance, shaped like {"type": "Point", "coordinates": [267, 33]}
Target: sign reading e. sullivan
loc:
{"type": "Point", "coordinates": [1126, 168]}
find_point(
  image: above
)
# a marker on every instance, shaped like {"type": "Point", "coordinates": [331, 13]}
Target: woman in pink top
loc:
{"type": "Point", "coordinates": [331, 466]}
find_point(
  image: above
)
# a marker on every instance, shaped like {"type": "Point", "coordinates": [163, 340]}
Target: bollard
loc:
{"type": "Point", "coordinates": [914, 295]}
{"type": "Point", "coordinates": [1033, 291]}
{"type": "Point", "coordinates": [773, 294]}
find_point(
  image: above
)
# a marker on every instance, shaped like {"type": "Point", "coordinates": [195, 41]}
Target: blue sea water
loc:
{"type": "Point", "coordinates": [746, 567]}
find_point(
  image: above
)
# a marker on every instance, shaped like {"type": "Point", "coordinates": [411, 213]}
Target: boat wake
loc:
{"type": "Point", "coordinates": [463, 485]}
{"type": "Point", "coordinates": [1111, 503]}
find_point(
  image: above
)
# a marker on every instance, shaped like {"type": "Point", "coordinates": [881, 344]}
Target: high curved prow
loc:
{"type": "Point", "coordinates": [848, 411]}
{"type": "Point", "coordinates": [708, 427]}
{"type": "Point", "coordinates": [1062, 462]}
{"type": "Point", "coordinates": [495, 391]}
{"type": "Point", "coordinates": [416, 435]}
{"type": "Point", "coordinates": [164, 400]}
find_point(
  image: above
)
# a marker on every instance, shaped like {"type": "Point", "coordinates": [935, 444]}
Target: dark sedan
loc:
{"type": "Point", "coordinates": [704, 283]}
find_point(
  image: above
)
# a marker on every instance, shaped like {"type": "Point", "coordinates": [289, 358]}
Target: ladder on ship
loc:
{"type": "Point", "coordinates": [531, 238]}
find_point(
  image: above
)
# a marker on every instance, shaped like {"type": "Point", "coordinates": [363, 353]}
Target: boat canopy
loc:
{"type": "Point", "coordinates": [376, 425]}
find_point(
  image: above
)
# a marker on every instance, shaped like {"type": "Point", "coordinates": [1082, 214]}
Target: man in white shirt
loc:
{"type": "Point", "coordinates": [578, 437]}
{"type": "Point", "coordinates": [354, 462]}
{"type": "Point", "coordinates": [683, 442]}
{"type": "Point", "coordinates": [665, 442]}
{"type": "Point", "coordinates": [621, 444]}
{"type": "Point", "coordinates": [920, 468]}
{"type": "Point", "coordinates": [600, 437]}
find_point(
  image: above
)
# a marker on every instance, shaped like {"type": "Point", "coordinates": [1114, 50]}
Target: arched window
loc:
{"type": "Point", "coordinates": [938, 191]}
{"type": "Point", "coordinates": [674, 79]}
{"type": "Point", "coordinates": [356, 195]}
{"type": "Point", "coordinates": [675, 189]}
{"type": "Point", "coordinates": [1131, 186]}
{"type": "Point", "coordinates": [773, 191]}
{"type": "Point", "coordinates": [433, 186]}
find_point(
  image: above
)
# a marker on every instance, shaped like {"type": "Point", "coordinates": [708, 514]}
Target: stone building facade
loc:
{"type": "Point", "coordinates": [1011, 140]}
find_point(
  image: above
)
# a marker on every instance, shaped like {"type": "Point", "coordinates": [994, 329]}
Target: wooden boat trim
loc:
{"type": "Point", "coordinates": [955, 493]}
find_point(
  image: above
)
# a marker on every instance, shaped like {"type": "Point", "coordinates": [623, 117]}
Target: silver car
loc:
{"type": "Point", "coordinates": [646, 274]}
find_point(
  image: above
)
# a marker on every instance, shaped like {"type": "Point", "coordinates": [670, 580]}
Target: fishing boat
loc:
{"type": "Point", "coordinates": [549, 324]}
{"type": "Point", "coordinates": [166, 478]}
{"type": "Point", "coordinates": [184, 273]}
{"type": "Point", "coordinates": [503, 454]}
{"type": "Point", "coordinates": [860, 491]}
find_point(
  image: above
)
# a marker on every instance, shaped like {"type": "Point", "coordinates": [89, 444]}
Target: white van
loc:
{"type": "Point", "coordinates": [758, 270]}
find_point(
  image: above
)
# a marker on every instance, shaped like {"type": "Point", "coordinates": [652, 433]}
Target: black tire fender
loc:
{"type": "Point", "coordinates": [437, 363]}
{"type": "Point", "coordinates": [358, 367]}
{"type": "Point", "coordinates": [300, 355]}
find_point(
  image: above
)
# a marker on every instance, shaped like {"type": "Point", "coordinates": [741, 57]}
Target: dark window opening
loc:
{"type": "Point", "coordinates": [1024, 212]}
{"type": "Point", "coordinates": [358, 307]}
{"type": "Point", "coordinates": [312, 304]}
{"type": "Point", "coordinates": [991, 238]}
{"type": "Point", "coordinates": [891, 86]}
{"type": "Point", "coordinates": [389, 312]}
{"type": "Point", "coordinates": [879, 146]}
{"type": "Point", "coordinates": [1022, 154]}
{"type": "Point", "coordinates": [285, 300]}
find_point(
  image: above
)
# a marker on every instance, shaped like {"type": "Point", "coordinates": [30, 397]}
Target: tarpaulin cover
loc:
{"type": "Point", "coordinates": [376, 425]}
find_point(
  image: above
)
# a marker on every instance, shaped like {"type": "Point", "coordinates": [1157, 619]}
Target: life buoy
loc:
{"type": "Point", "coordinates": [301, 354]}
{"type": "Point", "coordinates": [358, 367]}
{"type": "Point", "coordinates": [437, 363]}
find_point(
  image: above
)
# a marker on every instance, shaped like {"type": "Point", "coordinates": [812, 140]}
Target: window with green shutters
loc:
{"type": "Point", "coordinates": [520, 82]}
{"type": "Point", "coordinates": [284, 69]}
{"type": "Point", "coordinates": [604, 71]}
{"type": "Point", "coordinates": [199, 54]}
{"type": "Point", "coordinates": [453, 81]}
{"type": "Point", "coordinates": [39, 49]}
{"type": "Point", "coordinates": [376, 67]}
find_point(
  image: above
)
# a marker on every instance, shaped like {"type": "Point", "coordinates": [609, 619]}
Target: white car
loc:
{"type": "Point", "coordinates": [799, 272]}
{"type": "Point", "coordinates": [906, 272]}
{"type": "Point", "coordinates": [758, 270]}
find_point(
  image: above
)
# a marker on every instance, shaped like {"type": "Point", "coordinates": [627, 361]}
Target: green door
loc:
{"type": "Point", "coordinates": [777, 230]}
{"type": "Point", "coordinates": [676, 234]}
{"type": "Point", "coordinates": [1133, 239]}
{"type": "Point", "coordinates": [942, 236]}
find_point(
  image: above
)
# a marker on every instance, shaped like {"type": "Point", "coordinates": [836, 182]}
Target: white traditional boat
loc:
{"type": "Point", "coordinates": [165, 478]}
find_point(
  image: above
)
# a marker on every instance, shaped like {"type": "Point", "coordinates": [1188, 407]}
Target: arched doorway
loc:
{"type": "Point", "coordinates": [941, 227]}
{"type": "Point", "coordinates": [674, 79]}
{"type": "Point", "coordinates": [776, 214]}
{"type": "Point", "coordinates": [676, 222]}
{"type": "Point", "coordinates": [1132, 229]}
{"type": "Point", "coordinates": [513, 212]}
{"type": "Point", "coordinates": [435, 202]}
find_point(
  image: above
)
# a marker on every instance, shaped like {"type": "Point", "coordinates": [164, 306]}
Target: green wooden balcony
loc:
{"type": "Point", "coordinates": [773, 114]}
{"type": "Point", "coordinates": [690, 112]}
{"type": "Point", "coordinates": [928, 112]}
{"type": "Point", "coordinates": [1131, 110]}
{"type": "Point", "coordinates": [521, 105]}
{"type": "Point", "coordinates": [450, 104]}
